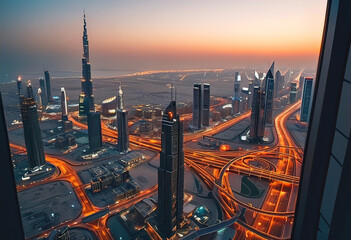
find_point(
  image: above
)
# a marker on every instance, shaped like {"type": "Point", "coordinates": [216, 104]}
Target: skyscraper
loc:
{"type": "Point", "coordinates": [323, 207]}
{"type": "Point", "coordinates": [257, 81]}
{"type": "Point", "coordinates": [301, 82]}
{"type": "Point", "coordinates": [11, 225]}
{"type": "Point", "coordinates": [44, 96]}
{"type": "Point", "coordinates": [278, 84]}
{"type": "Point", "coordinates": [197, 106]}
{"type": "Point", "coordinates": [236, 95]}
{"type": "Point", "coordinates": [293, 92]}
{"type": "Point", "coordinates": [306, 100]}
{"type": "Point", "coordinates": [64, 104]}
{"type": "Point", "coordinates": [32, 132]}
{"type": "Point", "coordinates": [30, 93]}
{"type": "Point", "coordinates": [19, 85]}
{"type": "Point", "coordinates": [269, 94]}
{"type": "Point", "coordinates": [122, 123]}
{"type": "Point", "coordinates": [250, 92]}
{"type": "Point", "coordinates": [171, 173]}
{"type": "Point", "coordinates": [94, 131]}
{"type": "Point", "coordinates": [48, 86]}
{"type": "Point", "coordinates": [86, 98]}
{"type": "Point", "coordinates": [257, 122]}
{"type": "Point", "coordinates": [206, 105]}
{"type": "Point", "coordinates": [39, 100]}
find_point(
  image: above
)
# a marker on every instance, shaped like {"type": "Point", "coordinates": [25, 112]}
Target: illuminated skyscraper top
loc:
{"type": "Point", "coordinates": [19, 85]}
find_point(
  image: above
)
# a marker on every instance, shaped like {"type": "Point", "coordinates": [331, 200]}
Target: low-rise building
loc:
{"type": "Point", "coordinates": [132, 159]}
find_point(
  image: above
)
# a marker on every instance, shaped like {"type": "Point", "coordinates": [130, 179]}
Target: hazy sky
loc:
{"type": "Point", "coordinates": [159, 34]}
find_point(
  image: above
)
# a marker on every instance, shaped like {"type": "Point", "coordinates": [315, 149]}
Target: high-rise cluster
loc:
{"type": "Point", "coordinates": [171, 173]}
{"type": "Point", "coordinates": [201, 106]}
{"type": "Point", "coordinates": [122, 123]}
{"type": "Point", "coordinates": [86, 98]}
{"type": "Point", "coordinates": [262, 105]}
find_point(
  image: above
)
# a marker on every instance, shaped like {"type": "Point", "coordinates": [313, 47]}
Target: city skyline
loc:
{"type": "Point", "coordinates": [193, 147]}
{"type": "Point", "coordinates": [156, 35]}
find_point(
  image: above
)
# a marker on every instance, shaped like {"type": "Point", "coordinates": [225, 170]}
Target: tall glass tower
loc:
{"type": "Point", "coordinates": [64, 108]}
{"type": "Point", "coordinates": [269, 89]}
{"type": "Point", "coordinates": [48, 86]}
{"type": "Point", "coordinates": [206, 105]}
{"type": "Point", "coordinates": [122, 123]}
{"type": "Point", "coordinates": [86, 98]}
{"type": "Point", "coordinates": [171, 173]}
{"type": "Point", "coordinates": [257, 122]}
{"type": "Point", "coordinates": [44, 95]}
{"type": "Point", "coordinates": [306, 100]}
{"type": "Point", "coordinates": [197, 106]}
{"type": "Point", "coordinates": [236, 96]}
{"type": "Point", "coordinates": [32, 132]}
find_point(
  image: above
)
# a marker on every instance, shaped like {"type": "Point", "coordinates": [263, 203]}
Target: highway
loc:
{"type": "Point", "coordinates": [273, 220]}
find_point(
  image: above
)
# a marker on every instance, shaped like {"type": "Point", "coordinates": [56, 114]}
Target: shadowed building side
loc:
{"type": "Point", "coordinates": [11, 223]}
{"type": "Point", "coordinates": [94, 131]}
{"type": "Point", "coordinates": [171, 173]}
{"type": "Point", "coordinates": [32, 132]}
{"type": "Point", "coordinates": [257, 122]}
{"type": "Point", "coordinates": [269, 92]}
{"type": "Point", "coordinates": [197, 106]}
{"type": "Point", "coordinates": [206, 105]}
{"type": "Point", "coordinates": [48, 86]}
{"type": "Point", "coordinates": [323, 206]}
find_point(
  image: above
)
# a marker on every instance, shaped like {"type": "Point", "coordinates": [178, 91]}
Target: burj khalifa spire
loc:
{"type": "Point", "coordinates": [86, 98]}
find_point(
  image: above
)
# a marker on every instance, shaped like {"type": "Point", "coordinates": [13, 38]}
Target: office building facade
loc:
{"type": "Point", "coordinates": [197, 106]}
{"type": "Point", "coordinates": [306, 100]}
{"type": "Point", "coordinates": [44, 95]}
{"type": "Point", "coordinates": [293, 92]}
{"type": "Point", "coordinates": [206, 105]}
{"type": "Point", "coordinates": [171, 173]}
{"type": "Point", "coordinates": [269, 95]}
{"type": "Point", "coordinates": [257, 121]}
{"type": "Point", "coordinates": [94, 131]}
{"type": "Point", "coordinates": [236, 96]}
{"type": "Point", "coordinates": [48, 86]}
{"type": "Point", "coordinates": [323, 207]}
{"type": "Point", "coordinates": [278, 84]}
{"type": "Point", "coordinates": [9, 208]}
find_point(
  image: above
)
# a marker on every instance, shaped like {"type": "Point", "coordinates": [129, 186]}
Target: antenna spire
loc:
{"type": "Point", "coordinates": [173, 93]}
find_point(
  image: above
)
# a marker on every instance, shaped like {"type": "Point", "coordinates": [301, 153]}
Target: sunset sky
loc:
{"type": "Point", "coordinates": [159, 34]}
